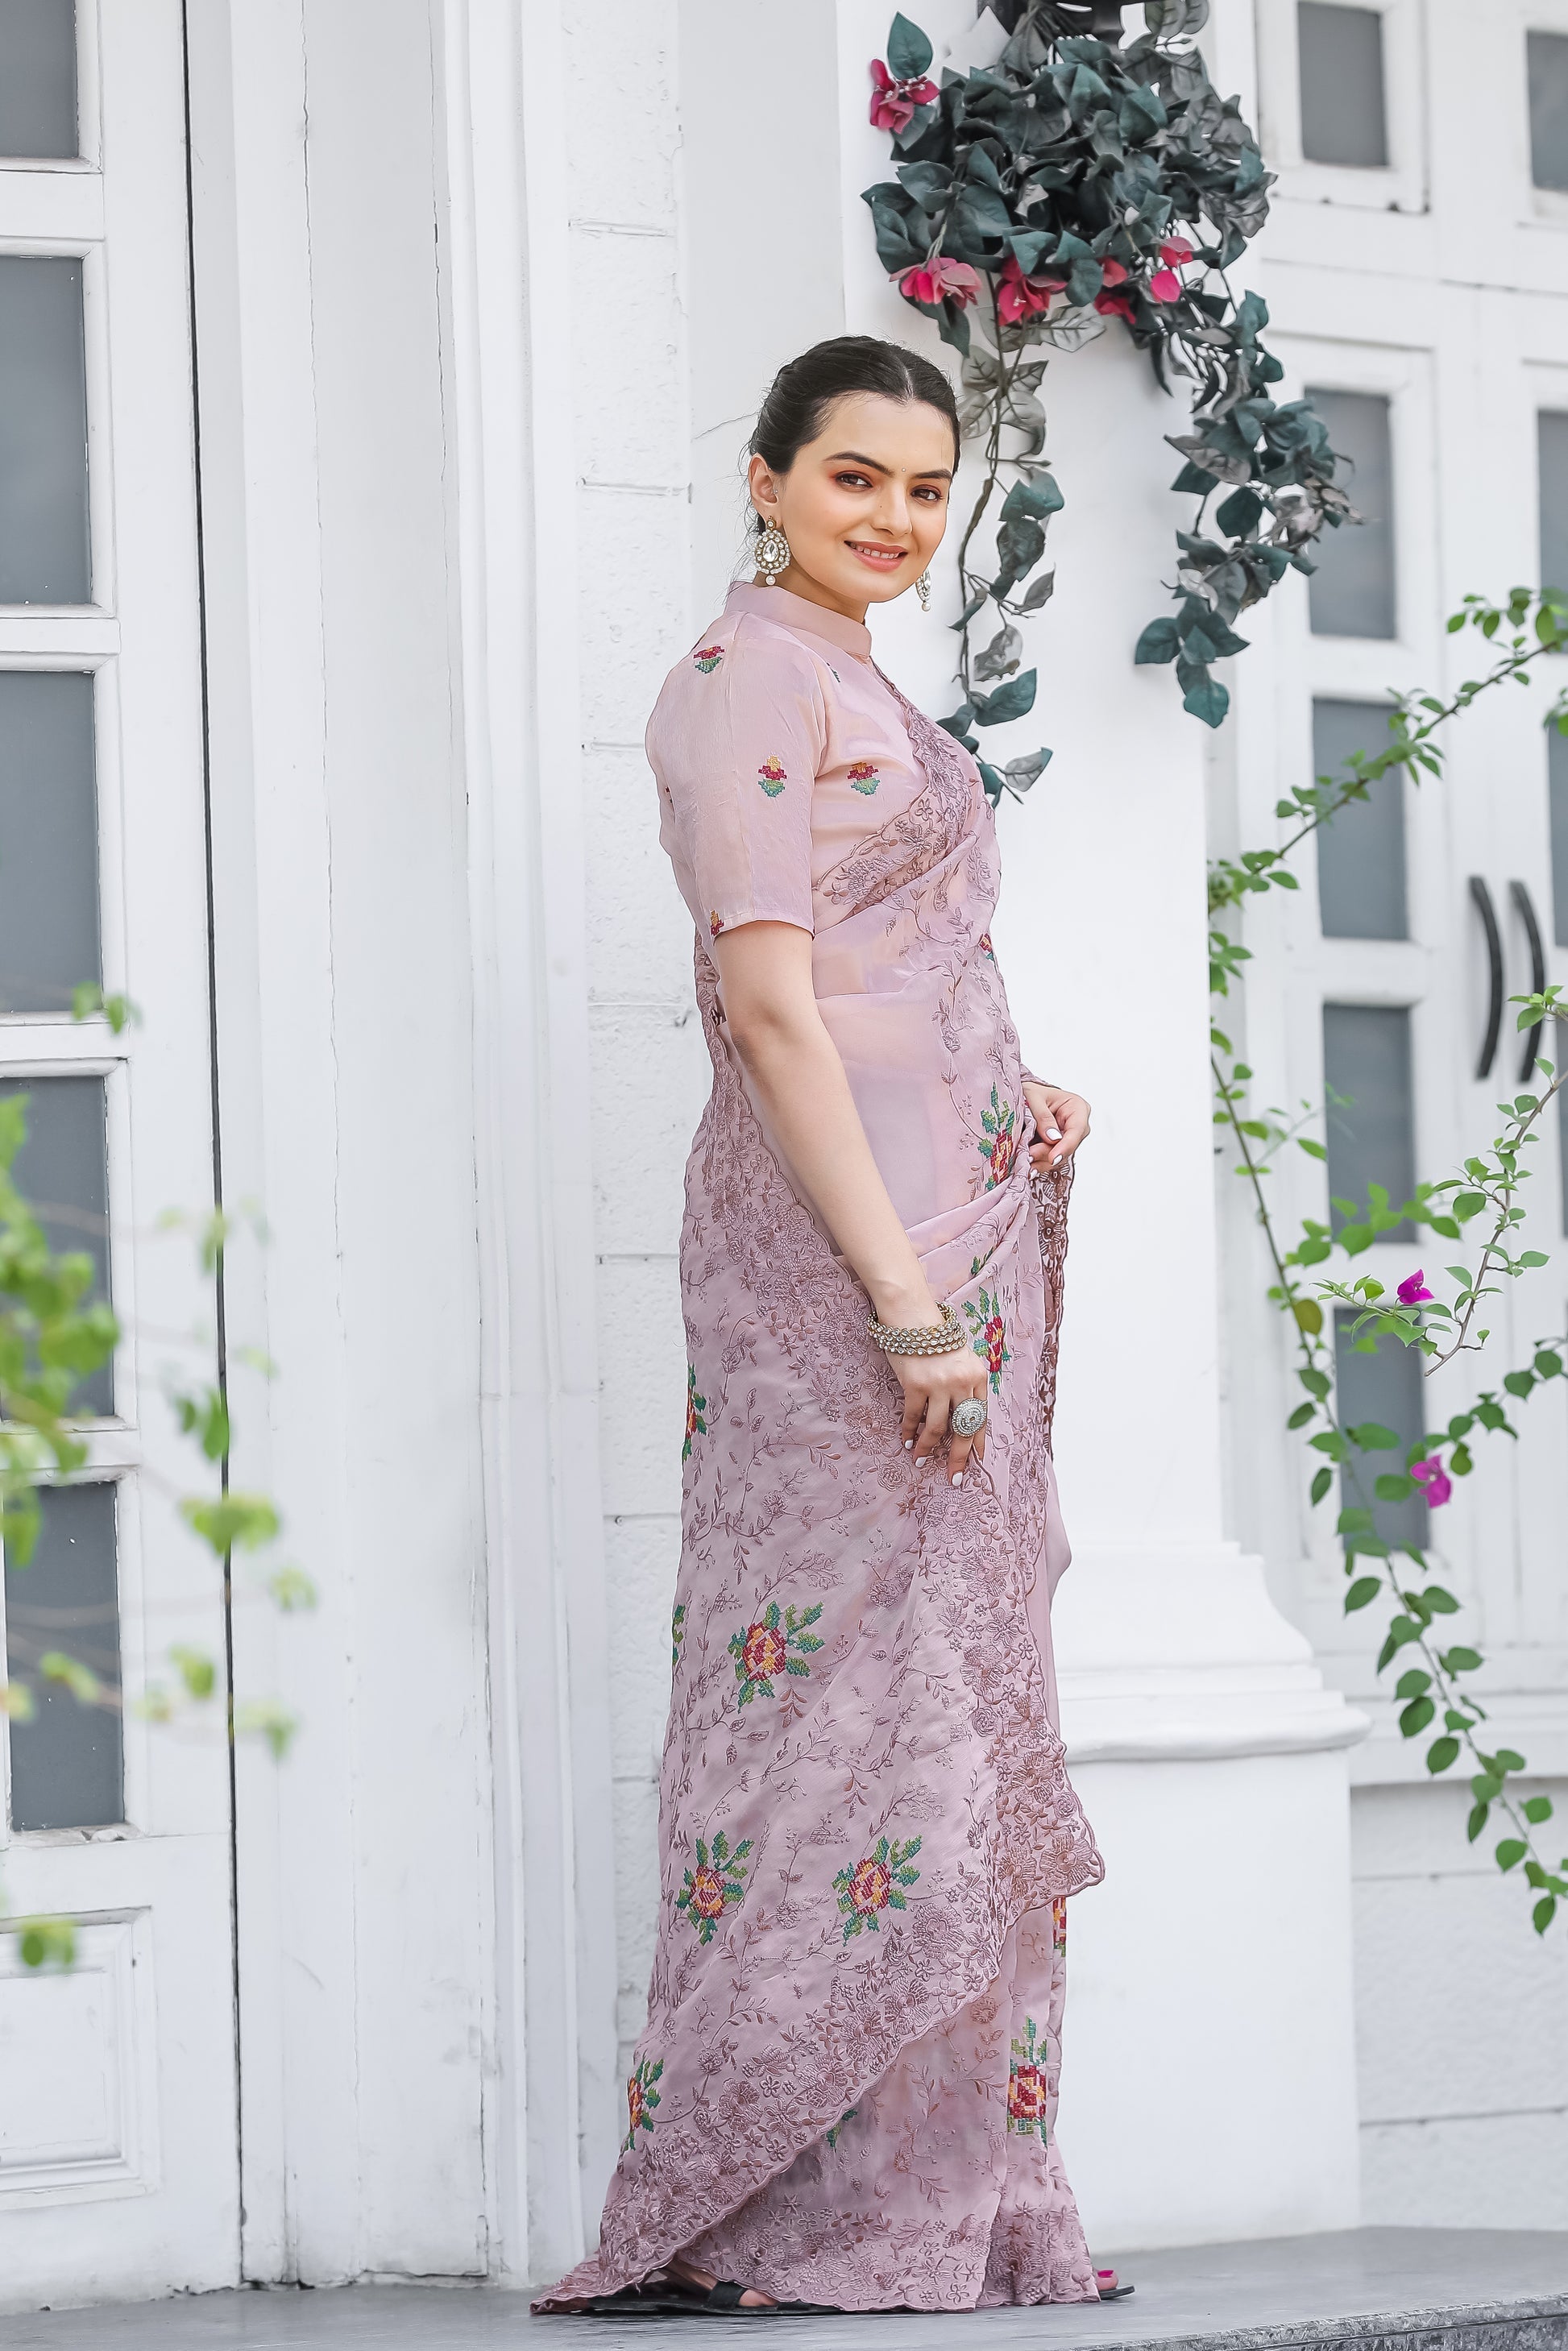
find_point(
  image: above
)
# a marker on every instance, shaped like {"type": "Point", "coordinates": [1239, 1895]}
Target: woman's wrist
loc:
{"type": "Point", "coordinates": [904, 1304]}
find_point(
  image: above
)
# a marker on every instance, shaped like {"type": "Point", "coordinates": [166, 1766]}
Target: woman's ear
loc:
{"type": "Point", "coordinates": [760, 480]}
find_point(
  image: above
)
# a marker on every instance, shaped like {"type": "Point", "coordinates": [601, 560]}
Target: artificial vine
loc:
{"type": "Point", "coordinates": [1486, 1194]}
{"type": "Point", "coordinates": [1074, 181]}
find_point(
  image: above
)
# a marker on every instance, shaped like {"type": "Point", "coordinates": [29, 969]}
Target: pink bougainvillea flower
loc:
{"type": "Point", "coordinates": [1165, 286]}
{"type": "Point", "coordinates": [1175, 251]}
{"type": "Point", "coordinates": [1114, 305]}
{"type": "Point", "coordinates": [1414, 1289]}
{"type": "Point", "coordinates": [1434, 1479]}
{"type": "Point", "coordinates": [1112, 274]}
{"type": "Point", "coordinates": [892, 103]}
{"type": "Point", "coordinates": [942, 280]}
{"type": "Point", "coordinates": [1021, 297]}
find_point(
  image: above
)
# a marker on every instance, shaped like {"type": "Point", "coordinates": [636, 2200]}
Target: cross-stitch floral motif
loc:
{"type": "Point", "coordinates": [985, 947]}
{"type": "Point", "coordinates": [1059, 1922]}
{"type": "Point", "coordinates": [772, 778]}
{"type": "Point", "coordinates": [678, 1632]}
{"type": "Point", "coordinates": [707, 658]}
{"type": "Point", "coordinates": [864, 775]}
{"type": "Point", "coordinates": [832, 2135]}
{"type": "Point", "coordinates": [998, 1142]}
{"type": "Point", "coordinates": [779, 1643]}
{"type": "Point", "coordinates": [984, 1317]}
{"type": "Point", "coordinates": [874, 1884]}
{"type": "Point", "coordinates": [695, 1407]}
{"type": "Point", "coordinates": [715, 1886]}
{"type": "Point", "coordinates": [1026, 2084]}
{"type": "Point", "coordinates": [715, 924]}
{"type": "Point", "coordinates": [641, 2097]}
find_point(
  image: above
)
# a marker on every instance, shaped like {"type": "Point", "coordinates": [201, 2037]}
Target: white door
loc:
{"type": "Point", "coordinates": [1417, 278]}
{"type": "Point", "coordinates": [118, 2164]}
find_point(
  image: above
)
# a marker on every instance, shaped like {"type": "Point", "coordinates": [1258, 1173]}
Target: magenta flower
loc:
{"type": "Point", "coordinates": [892, 103]}
{"type": "Point", "coordinates": [1114, 305]}
{"type": "Point", "coordinates": [1175, 251]}
{"type": "Point", "coordinates": [942, 281]}
{"type": "Point", "coordinates": [1112, 274]}
{"type": "Point", "coordinates": [1414, 1290]}
{"type": "Point", "coordinates": [1020, 297]}
{"type": "Point", "coordinates": [1434, 1479]}
{"type": "Point", "coordinates": [1165, 286]}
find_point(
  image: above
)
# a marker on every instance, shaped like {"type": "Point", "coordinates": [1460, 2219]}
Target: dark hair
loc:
{"type": "Point", "coordinates": [804, 392]}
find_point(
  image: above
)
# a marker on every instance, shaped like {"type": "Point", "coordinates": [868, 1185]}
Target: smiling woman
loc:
{"type": "Point", "coordinates": [846, 2088]}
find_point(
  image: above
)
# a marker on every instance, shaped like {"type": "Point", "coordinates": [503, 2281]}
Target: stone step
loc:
{"type": "Point", "coordinates": [1367, 2289]}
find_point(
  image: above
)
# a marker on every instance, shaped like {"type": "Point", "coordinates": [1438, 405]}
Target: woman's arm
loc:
{"type": "Point", "coordinates": [770, 1007]}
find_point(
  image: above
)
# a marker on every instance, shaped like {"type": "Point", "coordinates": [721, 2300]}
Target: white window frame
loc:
{"type": "Point", "coordinates": [1400, 185]}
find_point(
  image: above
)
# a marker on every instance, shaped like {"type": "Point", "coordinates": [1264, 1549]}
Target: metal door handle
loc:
{"type": "Point", "coordinates": [1483, 897]}
{"type": "Point", "coordinates": [1521, 896]}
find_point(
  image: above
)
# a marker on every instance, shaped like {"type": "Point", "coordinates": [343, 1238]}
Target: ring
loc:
{"type": "Point", "coordinates": [968, 1417]}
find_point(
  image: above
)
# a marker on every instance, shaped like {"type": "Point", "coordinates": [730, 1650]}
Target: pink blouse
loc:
{"type": "Point", "coordinates": [790, 792]}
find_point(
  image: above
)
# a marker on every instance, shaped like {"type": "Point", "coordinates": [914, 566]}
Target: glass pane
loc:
{"type": "Point", "coordinates": [48, 839]}
{"type": "Point", "coordinates": [1360, 855]}
{"type": "Point", "coordinates": [1557, 790]}
{"type": "Point", "coordinates": [1371, 1127]}
{"type": "Point", "coordinates": [37, 78]}
{"type": "Point", "coordinates": [1551, 442]}
{"type": "Point", "coordinates": [1386, 1387]}
{"type": "Point", "coordinates": [1546, 62]}
{"type": "Point", "coordinates": [43, 434]}
{"type": "Point", "coordinates": [1351, 593]}
{"type": "Point", "coordinates": [63, 1170]}
{"type": "Point", "coordinates": [1342, 85]}
{"type": "Point", "coordinates": [65, 1764]}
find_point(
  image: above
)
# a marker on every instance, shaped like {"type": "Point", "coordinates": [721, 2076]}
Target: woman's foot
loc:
{"type": "Point", "coordinates": [704, 2280]}
{"type": "Point", "coordinates": [1110, 2285]}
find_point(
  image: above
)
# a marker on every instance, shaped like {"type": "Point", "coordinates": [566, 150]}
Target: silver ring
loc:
{"type": "Point", "coordinates": [968, 1417]}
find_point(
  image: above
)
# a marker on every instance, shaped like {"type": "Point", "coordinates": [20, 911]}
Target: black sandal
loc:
{"type": "Point", "coordinates": [672, 2297]}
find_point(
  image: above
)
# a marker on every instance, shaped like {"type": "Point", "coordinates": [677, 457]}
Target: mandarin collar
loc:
{"type": "Point", "coordinates": [799, 612]}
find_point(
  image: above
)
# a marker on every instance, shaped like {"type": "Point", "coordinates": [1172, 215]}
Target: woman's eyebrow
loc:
{"type": "Point", "coordinates": [922, 473]}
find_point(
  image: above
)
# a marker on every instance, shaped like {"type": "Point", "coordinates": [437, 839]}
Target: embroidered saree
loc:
{"type": "Point", "coordinates": [846, 2088]}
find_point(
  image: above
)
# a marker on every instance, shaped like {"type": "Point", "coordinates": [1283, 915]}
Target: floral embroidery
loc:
{"type": "Point", "coordinates": [873, 1885]}
{"type": "Point", "coordinates": [864, 776]}
{"type": "Point", "coordinates": [641, 2097]}
{"type": "Point", "coordinates": [772, 778]}
{"type": "Point", "coordinates": [1059, 1922]}
{"type": "Point", "coordinates": [707, 658]}
{"type": "Point", "coordinates": [986, 947]}
{"type": "Point", "coordinates": [832, 2135]}
{"type": "Point", "coordinates": [715, 924]}
{"type": "Point", "coordinates": [715, 1886]}
{"type": "Point", "coordinates": [999, 1141]}
{"type": "Point", "coordinates": [1027, 2086]}
{"type": "Point", "coordinates": [677, 1633]}
{"type": "Point", "coordinates": [764, 1649]}
{"type": "Point", "coordinates": [984, 1319]}
{"type": "Point", "coordinates": [695, 1407]}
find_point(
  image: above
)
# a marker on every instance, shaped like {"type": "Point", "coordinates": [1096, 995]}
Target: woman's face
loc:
{"type": "Point", "coordinates": [864, 505]}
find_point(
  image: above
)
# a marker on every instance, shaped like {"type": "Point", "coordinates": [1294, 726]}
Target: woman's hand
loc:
{"type": "Point", "coordinates": [932, 1385]}
{"type": "Point", "coordinates": [1063, 1120]}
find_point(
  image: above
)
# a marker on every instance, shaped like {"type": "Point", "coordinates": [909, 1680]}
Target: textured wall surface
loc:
{"type": "Point", "coordinates": [1461, 2022]}
{"type": "Point", "coordinates": [648, 1080]}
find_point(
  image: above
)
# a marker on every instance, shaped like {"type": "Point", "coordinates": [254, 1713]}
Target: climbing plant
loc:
{"type": "Point", "coordinates": [1485, 1196]}
{"type": "Point", "coordinates": [1074, 183]}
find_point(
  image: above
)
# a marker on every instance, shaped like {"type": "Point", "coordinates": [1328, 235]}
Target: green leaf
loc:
{"type": "Point", "coordinates": [1393, 1487]}
{"type": "Point", "coordinates": [1365, 1589]}
{"type": "Point", "coordinates": [1545, 1912]}
{"type": "Point", "coordinates": [1308, 1317]}
{"type": "Point", "coordinates": [1012, 699]}
{"type": "Point", "coordinates": [1441, 1603]}
{"type": "Point", "coordinates": [1411, 1685]}
{"type": "Point", "coordinates": [1372, 1437]}
{"type": "Point", "coordinates": [1509, 1759]}
{"type": "Point", "coordinates": [1511, 1853]}
{"type": "Point", "coordinates": [233, 1522]}
{"type": "Point", "coordinates": [1314, 1150]}
{"type": "Point", "coordinates": [1441, 1754]}
{"type": "Point", "coordinates": [1536, 1809]}
{"type": "Point", "coordinates": [1403, 1630]}
{"type": "Point", "coordinates": [908, 51]}
{"type": "Point", "coordinates": [1479, 1815]}
{"type": "Point", "coordinates": [1460, 1660]}
{"type": "Point", "coordinates": [1322, 1481]}
{"type": "Point", "coordinates": [1414, 1718]}
{"type": "Point", "coordinates": [1302, 1413]}
{"type": "Point", "coordinates": [1161, 641]}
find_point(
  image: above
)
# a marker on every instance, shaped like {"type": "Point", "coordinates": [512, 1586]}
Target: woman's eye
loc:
{"type": "Point", "coordinates": [852, 481]}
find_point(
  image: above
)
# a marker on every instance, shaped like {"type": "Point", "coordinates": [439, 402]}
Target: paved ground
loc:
{"type": "Point", "coordinates": [1435, 2290]}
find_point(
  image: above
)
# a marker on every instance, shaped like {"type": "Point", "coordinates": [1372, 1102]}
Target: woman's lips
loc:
{"type": "Point", "coordinates": [881, 558]}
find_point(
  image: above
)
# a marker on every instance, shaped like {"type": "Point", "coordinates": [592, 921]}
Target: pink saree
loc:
{"type": "Point", "coordinates": [846, 2088]}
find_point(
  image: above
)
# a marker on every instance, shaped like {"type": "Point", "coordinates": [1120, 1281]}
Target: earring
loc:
{"type": "Point", "coordinates": [772, 553]}
{"type": "Point", "coordinates": [923, 589]}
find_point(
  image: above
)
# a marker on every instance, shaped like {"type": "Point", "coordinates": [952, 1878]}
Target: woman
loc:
{"type": "Point", "coordinates": [845, 2092]}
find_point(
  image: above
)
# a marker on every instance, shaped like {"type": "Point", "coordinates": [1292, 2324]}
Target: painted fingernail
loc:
{"type": "Point", "coordinates": [924, 1461]}
{"type": "Point", "coordinates": [1053, 1133]}
{"type": "Point", "coordinates": [908, 1444]}
{"type": "Point", "coordinates": [957, 1477]}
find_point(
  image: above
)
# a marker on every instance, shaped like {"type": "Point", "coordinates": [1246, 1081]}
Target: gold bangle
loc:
{"type": "Point", "coordinates": [919, 1338]}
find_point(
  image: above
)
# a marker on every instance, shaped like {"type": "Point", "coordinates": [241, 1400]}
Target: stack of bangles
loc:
{"type": "Point", "coordinates": [969, 1415]}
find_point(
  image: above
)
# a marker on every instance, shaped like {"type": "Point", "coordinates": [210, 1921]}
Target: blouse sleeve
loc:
{"type": "Point", "coordinates": [736, 747]}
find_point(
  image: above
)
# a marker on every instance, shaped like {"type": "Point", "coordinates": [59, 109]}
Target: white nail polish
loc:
{"type": "Point", "coordinates": [1053, 1134]}
{"type": "Point", "coordinates": [957, 1477]}
{"type": "Point", "coordinates": [909, 1444]}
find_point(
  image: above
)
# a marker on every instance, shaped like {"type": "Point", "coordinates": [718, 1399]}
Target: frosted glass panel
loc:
{"type": "Point", "coordinates": [1551, 432]}
{"type": "Point", "coordinates": [37, 78]}
{"type": "Point", "coordinates": [43, 434]}
{"type": "Point", "coordinates": [1546, 60]}
{"type": "Point", "coordinates": [1351, 594]}
{"type": "Point", "coordinates": [1360, 855]}
{"type": "Point", "coordinates": [48, 839]}
{"type": "Point", "coordinates": [1385, 1387]}
{"type": "Point", "coordinates": [63, 1170]}
{"type": "Point", "coordinates": [67, 1769]}
{"type": "Point", "coordinates": [1342, 85]}
{"type": "Point", "coordinates": [1371, 1130]}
